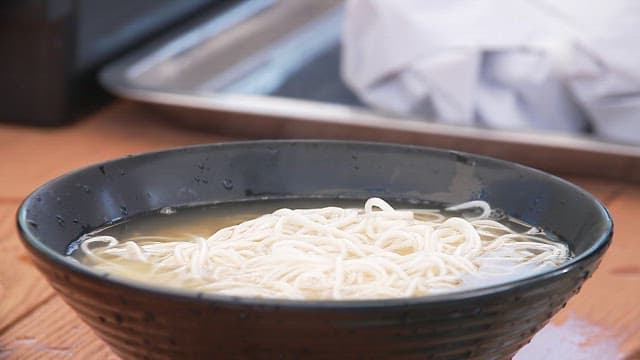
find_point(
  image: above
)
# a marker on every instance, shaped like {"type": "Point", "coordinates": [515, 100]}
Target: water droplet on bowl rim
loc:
{"type": "Point", "coordinates": [227, 184]}
{"type": "Point", "coordinates": [167, 210]}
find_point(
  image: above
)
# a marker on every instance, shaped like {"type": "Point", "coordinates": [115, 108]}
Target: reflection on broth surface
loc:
{"type": "Point", "coordinates": [324, 249]}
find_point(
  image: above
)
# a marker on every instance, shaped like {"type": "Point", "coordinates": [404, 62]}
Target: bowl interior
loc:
{"type": "Point", "coordinates": [62, 210]}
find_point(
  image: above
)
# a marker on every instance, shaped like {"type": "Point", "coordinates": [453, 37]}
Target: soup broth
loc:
{"type": "Point", "coordinates": [329, 253]}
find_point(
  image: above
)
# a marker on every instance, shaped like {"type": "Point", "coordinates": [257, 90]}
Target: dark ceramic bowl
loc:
{"type": "Point", "coordinates": [149, 322]}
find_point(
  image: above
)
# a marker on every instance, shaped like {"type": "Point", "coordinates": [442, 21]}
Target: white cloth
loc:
{"type": "Point", "coordinates": [562, 65]}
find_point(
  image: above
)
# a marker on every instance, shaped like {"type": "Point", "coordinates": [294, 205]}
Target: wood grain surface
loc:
{"type": "Point", "coordinates": [602, 322]}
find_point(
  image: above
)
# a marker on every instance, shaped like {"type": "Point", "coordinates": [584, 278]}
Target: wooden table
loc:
{"type": "Point", "coordinates": [602, 322]}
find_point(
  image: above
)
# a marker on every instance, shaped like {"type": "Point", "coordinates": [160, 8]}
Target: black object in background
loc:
{"type": "Point", "coordinates": [50, 50]}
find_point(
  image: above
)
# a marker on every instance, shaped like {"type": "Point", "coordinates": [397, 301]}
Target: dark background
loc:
{"type": "Point", "coordinates": [50, 50]}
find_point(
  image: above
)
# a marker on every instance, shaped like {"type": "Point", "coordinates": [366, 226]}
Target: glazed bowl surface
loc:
{"type": "Point", "coordinates": [139, 321]}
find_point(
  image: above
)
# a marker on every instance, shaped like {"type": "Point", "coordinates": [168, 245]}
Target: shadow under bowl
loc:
{"type": "Point", "coordinates": [140, 321]}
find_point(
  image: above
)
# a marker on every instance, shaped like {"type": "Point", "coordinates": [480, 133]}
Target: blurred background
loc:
{"type": "Point", "coordinates": [527, 81]}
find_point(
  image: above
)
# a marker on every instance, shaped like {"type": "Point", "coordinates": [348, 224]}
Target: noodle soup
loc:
{"type": "Point", "coordinates": [322, 249]}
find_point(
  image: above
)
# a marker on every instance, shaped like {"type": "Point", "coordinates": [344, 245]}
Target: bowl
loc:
{"type": "Point", "coordinates": [140, 321]}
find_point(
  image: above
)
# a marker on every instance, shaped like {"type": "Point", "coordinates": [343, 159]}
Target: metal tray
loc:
{"type": "Point", "coordinates": [270, 69]}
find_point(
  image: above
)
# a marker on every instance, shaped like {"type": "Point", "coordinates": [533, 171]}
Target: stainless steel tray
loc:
{"type": "Point", "coordinates": [270, 69]}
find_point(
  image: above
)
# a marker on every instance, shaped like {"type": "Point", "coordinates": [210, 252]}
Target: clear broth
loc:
{"type": "Point", "coordinates": [205, 220]}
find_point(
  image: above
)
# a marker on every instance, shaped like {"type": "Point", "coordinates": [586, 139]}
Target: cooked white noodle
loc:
{"type": "Point", "coordinates": [332, 253]}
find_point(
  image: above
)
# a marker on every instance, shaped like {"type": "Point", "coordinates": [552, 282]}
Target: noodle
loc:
{"type": "Point", "coordinates": [333, 253]}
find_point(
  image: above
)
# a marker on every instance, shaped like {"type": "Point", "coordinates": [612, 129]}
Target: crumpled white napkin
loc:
{"type": "Point", "coordinates": [562, 65]}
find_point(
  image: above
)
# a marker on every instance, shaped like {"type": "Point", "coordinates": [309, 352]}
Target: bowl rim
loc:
{"type": "Point", "coordinates": [37, 248]}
